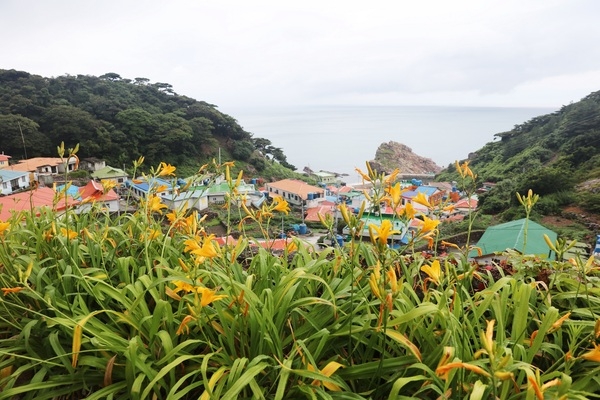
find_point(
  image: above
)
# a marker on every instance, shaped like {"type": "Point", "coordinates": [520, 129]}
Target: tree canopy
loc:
{"type": "Point", "coordinates": [118, 119]}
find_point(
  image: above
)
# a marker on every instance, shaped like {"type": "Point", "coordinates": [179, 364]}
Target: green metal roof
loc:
{"type": "Point", "coordinates": [511, 235]}
{"type": "Point", "coordinates": [108, 172]}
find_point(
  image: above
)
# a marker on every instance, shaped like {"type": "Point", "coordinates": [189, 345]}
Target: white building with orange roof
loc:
{"type": "Point", "coordinates": [39, 167]}
{"type": "Point", "coordinates": [4, 160]}
{"type": "Point", "coordinates": [296, 192]}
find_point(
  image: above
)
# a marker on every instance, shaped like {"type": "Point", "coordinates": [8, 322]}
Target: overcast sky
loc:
{"type": "Point", "coordinates": [543, 53]}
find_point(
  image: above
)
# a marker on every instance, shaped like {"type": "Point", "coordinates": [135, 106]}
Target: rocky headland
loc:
{"type": "Point", "coordinates": [392, 155]}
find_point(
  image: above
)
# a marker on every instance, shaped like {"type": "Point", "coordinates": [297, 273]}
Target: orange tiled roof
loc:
{"type": "Point", "coordinates": [33, 164]}
{"type": "Point", "coordinates": [95, 191]}
{"type": "Point", "coordinates": [35, 199]}
{"type": "Point", "coordinates": [295, 186]}
{"type": "Point", "coordinates": [324, 208]}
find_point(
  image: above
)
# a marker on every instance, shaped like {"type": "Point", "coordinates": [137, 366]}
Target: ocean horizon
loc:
{"type": "Point", "coordinates": [341, 138]}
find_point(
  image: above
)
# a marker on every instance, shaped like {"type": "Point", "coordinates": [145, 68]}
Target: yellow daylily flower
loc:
{"type": "Point", "coordinates": [393, 280]}
{"type": "Point", "coordinates": [208, 249]}
{"type": "Point", "coordinates": [4, 227]}
{"type": "Point", "coordinates": [392, 177]}
{"type": "Point", "coordinates": [153, 234]}
{"type": "Point", "coordinates": [382, 232]}
{"type": "Point", "coordinates": [328, 370]}
{"type": "Point", "coordinates": [155, 204]}
{"type": "Point", "coordinates": [68, 233]}
{"type": "Point", "coordinates": [345, 214]}
{"type": "Point", "coordinates": [421, 199]}
{"type": "Point", "coordinates": [182, 286]}
{"type": "Point", "coordinates": [108, 184]}
{"type": "Point", "coordinates": [487, 339]}
{"type": "Point", "coordinates": [395, 194]}
{"type": "Point", "coordinates": [408, 212]}
{"type": "Point", "coordinates": [281, 205]}
{"type": "Point", "coordinates": [364, 176]}
{"type": "Point", "coordinates": [165, 169]}
{"type": "Point", "coordinates": [592, 355]}
{"type": "Point", "coordinates": [208, 296]}
{"type": "Point", "coordinates": [429, 225]}
{"type": "Point", "coordinates": [374, 281]}
{"type": "Point", "coordinates": [433, 271]}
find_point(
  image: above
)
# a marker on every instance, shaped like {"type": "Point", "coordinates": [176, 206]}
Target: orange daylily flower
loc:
{"type": "Point", "coordinates": [558, 323]}
{"type": "Point", "coordinates": [6, 291]}
{"type": "Point", "coordinates": [183, 327]}
{"type": "Point", "coordinates": [444, 369]}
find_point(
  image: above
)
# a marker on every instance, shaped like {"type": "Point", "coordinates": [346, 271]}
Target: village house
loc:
{"type": "Point", "coordinates": [92, 164]}
{"type": "Point", "coordinates": [4, 160]}
{"type": "Point", "coordinates": [13, 181]}
{"type": "Point", "coordinates": [325, 177]}
{"type": "Point", "coordinates": [44, 169]}
{"type": "Point", "coordinates": [188, 200]}
{"type": "Point", "coordinates": [465, 206]}
{"type": "Point", "coordinates": [93, 194]}
{"type": "Point", "coordinates": [141, 187]}
{"type": "Point", "coordinates": [296, 192]}
{"type": "Point", "coordinates": [110, 173]}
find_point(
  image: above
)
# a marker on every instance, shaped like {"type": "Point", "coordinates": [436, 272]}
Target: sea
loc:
{"type": "Point", "coordinates": [340, 139]}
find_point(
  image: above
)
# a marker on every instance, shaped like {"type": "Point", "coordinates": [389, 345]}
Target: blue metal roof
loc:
{"type": "Point", "coordinates": [426, 190]}
{"type": "Point", "coordinates": [145, 185]}
{"type": "Point", "coordinates": [7, 175]}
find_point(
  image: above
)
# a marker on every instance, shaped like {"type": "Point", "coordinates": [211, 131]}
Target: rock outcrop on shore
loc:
{"type": "Point", "coordinates": [392, 155]}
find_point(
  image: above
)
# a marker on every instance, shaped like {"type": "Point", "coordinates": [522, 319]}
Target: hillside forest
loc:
{"type": "Point", "coordinates": [556, 156]}
{"type": "Point", "coordinates": [119, 120]}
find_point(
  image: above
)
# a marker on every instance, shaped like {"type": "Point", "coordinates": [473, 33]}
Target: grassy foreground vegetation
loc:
{"type": "Point", "coordinates": [132, 308]}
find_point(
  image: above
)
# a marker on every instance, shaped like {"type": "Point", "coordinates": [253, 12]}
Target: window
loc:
{"type": "Point", "coordinates": [22, 179]}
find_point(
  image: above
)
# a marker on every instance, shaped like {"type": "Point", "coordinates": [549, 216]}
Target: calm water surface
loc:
{"type": "Point", "coordinates": [340, 138]}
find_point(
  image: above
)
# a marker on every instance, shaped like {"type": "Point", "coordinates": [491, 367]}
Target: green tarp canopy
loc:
{"type": "Point", "coordinates": [511, 235]}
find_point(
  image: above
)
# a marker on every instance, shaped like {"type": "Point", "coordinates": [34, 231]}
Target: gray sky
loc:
{"type": "Point", "coordinates": [542, 53]}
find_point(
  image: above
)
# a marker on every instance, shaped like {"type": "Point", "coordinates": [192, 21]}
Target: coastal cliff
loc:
{"type": "Point", "coordinates": [392, 155]}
